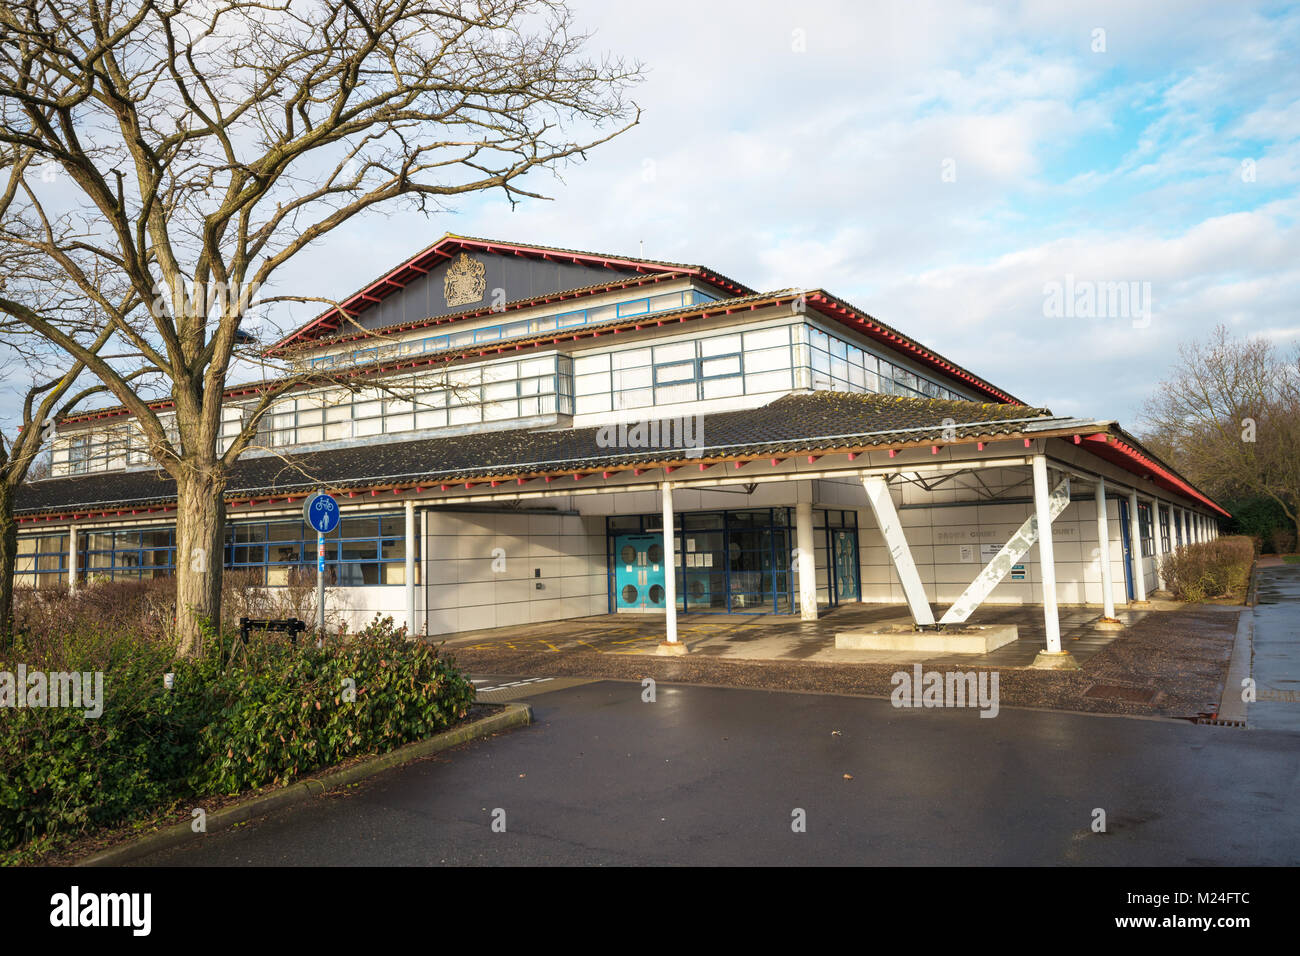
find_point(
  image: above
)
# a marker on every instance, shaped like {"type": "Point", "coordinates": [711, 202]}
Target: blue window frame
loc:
{"type": "Point", "coordinates": [1145, 529]}
{"type": "Point", "coordinates": [740, 561]}
{"type": "Point", "coordinates": [42, 561]}
{"type": "Point", "coordinates": [363, 551]}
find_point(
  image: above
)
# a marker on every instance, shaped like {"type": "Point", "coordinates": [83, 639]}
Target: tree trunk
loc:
{"type": "Point", "coordinates": [8, 561]}
{"type": "Point", "coordinates": [200, 552]}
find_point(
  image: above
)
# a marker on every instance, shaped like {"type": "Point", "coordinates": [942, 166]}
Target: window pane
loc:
{"type": "Point", "coordinates": [667, 395]}
{"type": "Point", "coordinates": [681, 372]}
{"type": "Point", "coordinates": [722, 387]}
{"type": "Point", "coordinates": [631, 358]}
{"type": "Point", "coordinates": [359, 527]}
{"type": "Point", "coordinates": [586, 364]}
{"type": "Point", "coordinates": [675, 352]}
{"type": "Point", "coordinates": [767, 382]}
{"type": "Point", "coordinates": [721, 366]}
{"type": "Point", "coordinates": [360, 551]}
{"type": "Point", "coordinates": [720, 345]}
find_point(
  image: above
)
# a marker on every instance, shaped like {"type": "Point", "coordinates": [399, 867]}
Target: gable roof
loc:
{"type": "Point", "coordinates": [332, 319]}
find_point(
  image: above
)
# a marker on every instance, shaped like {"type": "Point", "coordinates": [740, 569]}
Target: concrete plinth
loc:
{"type": "Point", "coordinates": [1109, 624]}
{"type": "Point", "coordinates": [1061, 661]}
{"type": "Point", "coordinates": [971, 639]}
{"type": "Point", "coordinates": [670, 649]}
{"type": "Point", "coordinates": [1139, 603]}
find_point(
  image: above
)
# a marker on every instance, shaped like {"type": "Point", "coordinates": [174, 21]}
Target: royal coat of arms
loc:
{"type": "Point", "coordinates": [465, 281]}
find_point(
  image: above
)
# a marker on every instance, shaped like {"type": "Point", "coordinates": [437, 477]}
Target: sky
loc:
{"type": "Point", "coordinates": [964, 172]}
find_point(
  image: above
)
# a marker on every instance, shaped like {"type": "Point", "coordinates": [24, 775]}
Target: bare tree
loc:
{"type": "Point", "coordinates": [200, 146]}
{"type": "Point", "coordinates": [1228, 417]}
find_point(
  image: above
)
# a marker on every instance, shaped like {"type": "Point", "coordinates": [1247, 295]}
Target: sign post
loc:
{"type": "Point", "coordinates": [321, 512]}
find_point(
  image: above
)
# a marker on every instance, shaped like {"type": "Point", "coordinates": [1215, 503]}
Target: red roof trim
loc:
{"type": "Point", "coordinates": [421, 263]}
{"type": "Point", "coordinates": [1120, 453]}
{"type": "Point", "coordinates": [847, 316]}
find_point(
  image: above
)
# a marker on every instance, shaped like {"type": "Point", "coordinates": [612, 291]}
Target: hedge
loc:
{"type": "Point", "coordinates": [235, 719]}
{"type": "Point", "coordinates": [1209, 569]}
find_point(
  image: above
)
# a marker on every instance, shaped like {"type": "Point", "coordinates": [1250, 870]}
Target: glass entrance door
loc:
{"type": "Point", "coordinates": [844, 548]}
{"type": "Point", "coordinates": [639, 572]}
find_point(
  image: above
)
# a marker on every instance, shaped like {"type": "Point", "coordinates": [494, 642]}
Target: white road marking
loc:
{"type": "Point", "coordinates": [518, 683]}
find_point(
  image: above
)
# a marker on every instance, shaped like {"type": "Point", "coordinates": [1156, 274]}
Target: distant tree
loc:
{"type": "Point", "coordinates": [1228, 417]}
{"type": "Point", "coordinates": [41, 467]}
{"type": "Point", "coordinates": [50, 382]}
{"type": "Point", "coordinates": [196, 148]}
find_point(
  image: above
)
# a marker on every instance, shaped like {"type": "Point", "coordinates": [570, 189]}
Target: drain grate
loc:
{"type": "Point", "coordinates": [1214, 721]}
{"type": "Point", "coordinates": [1134, 695]}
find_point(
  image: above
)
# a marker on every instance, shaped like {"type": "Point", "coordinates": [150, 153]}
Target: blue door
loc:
{"type": "Point", "coordinates": [1128, 549]}
{"type": "Point", "coordinates": [639, 572]}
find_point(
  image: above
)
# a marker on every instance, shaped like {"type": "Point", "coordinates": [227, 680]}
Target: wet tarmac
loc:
{"type": "Point", "coordinates": [708, 775]}
{"type": "Point", "coordinates": [1276, 663]}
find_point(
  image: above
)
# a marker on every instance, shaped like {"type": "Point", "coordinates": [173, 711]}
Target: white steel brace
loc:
{"type": "Point", "coordinates": [882, 505]}
{"type": "Point", "coordinates": [1026, 537]}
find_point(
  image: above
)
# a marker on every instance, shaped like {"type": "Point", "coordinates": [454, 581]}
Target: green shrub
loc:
{"type": "Point", "coordinates": [291, 711]}
{"type": "Point", "coordinates": [1209, 569]}
{"type": "Point", "coordinates": [237, 718]}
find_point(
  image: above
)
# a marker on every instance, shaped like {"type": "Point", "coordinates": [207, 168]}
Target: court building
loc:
{"type": "Point", "coordinates": [532, 433]}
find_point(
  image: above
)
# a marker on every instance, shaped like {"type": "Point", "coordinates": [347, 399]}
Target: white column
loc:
{"type": "Point", "coordinates": [1159, 543]}
{"type": "Point", "coordinates": [410, 566]}
{"type": "Point", "coordinates": [1046, 555]}
{"type": "Point", "coordinates": [1187, 527]}
{"type": "Point", "coordinates": [72, 557]}
{"type": "Point", "coordinates": [670, 566]}
{"type": "Point", "coordinates": [1135, 548]}
{"type": "Point", "coordinates": [807, 564]}
{"type": "Point", "coordinates": [1103, 545]}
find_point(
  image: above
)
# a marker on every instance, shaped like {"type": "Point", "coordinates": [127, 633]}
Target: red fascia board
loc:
{"type": "Point", "coordinates": [1117, 452]}
{"type": "Point", "coordinates": [847, 316]}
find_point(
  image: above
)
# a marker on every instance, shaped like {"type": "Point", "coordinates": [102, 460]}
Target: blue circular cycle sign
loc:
{"type": "Point", "coordinates": [321, 512]}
